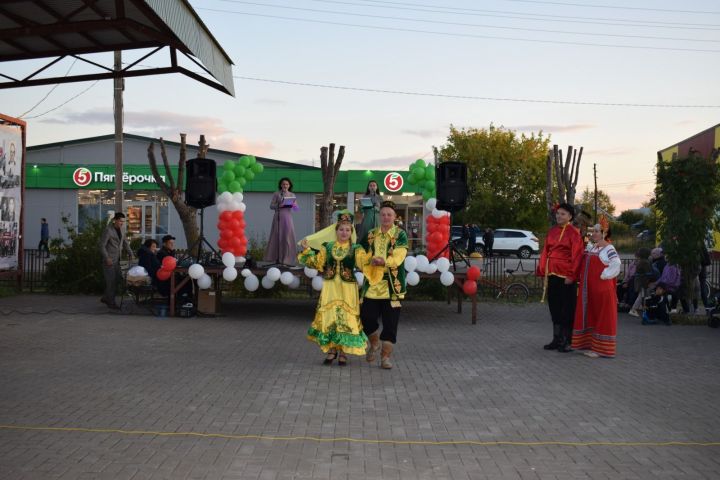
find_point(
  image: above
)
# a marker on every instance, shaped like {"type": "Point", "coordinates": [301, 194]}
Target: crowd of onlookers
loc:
{"type": "Point", "coordinates": [652, 287]}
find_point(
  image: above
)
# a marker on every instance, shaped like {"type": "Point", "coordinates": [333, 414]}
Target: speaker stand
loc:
{"type": "Point", "coordinates": [199, 244]}
{"type": "Point", "coordinates": [452, 250]}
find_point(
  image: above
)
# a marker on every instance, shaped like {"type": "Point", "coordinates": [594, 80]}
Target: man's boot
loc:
{"type": "Point", "coordinates": [387, 348]}
{"type": "Point", "coordinates": [373, 347]}
{"type": "Point", "coordinates": [556, 338]}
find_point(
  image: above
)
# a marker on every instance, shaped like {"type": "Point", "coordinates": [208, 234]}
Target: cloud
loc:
{"type": "Point", "coordinates": [169, 125]}
{"type": "Point", "coordinates": [388, 163]}
{"type": "Point", "coordinates": [428, 133]}
{"type": "Point", "coordinates": [552, 128]}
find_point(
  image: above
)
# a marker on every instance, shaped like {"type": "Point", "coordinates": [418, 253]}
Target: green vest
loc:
{"type": "Point", "coordinates": [347, 264]}
{"type": "Point", "coordinates": [394, 276]}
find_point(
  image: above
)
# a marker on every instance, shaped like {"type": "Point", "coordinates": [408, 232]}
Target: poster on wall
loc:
{"type": "Point", "coordinates": [10, 195]}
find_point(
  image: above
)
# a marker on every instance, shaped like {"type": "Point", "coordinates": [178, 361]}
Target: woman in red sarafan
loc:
{"type": "Point", "coordinates": [559, 264]}
{"type": "Point", "coordinates": [596, 313]}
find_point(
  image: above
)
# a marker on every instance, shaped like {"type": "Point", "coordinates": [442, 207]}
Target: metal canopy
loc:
{"type": "Point", "coordinates": [33, 29]}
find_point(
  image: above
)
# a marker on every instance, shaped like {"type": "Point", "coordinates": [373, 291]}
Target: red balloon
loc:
{"type": "Point", "coordinates": [169, 264]}
{"type": "Point", "coordinates": [469, 288]}
{"type": "Point", "coordinates": [473, 273]}
{"type": "Point", "coordinates": [235, 243]}
{"type": "Point", "coordinates": [437, 237]}
{"type": "Point", "coordinates": [163, 274]}
{"type": "Point", "coordinates": [445, 220]}
{"type": "Point", "coordinates": [243, 241]}
{"type": "Point", "coordinates": [222, 243]}
{"type": "Point", "coordinates": [242, 251]}
{"type": "Point", "coordinates": [237, 215]}
{"type": "Point", "coordinates": [226, 215]}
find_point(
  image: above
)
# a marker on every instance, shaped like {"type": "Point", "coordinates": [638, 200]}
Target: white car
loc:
{"type": "Point", "coordinates": [522, 243]}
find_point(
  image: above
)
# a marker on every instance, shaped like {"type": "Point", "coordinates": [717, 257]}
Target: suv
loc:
{"type": "Point", "coordinates": [522, 243]}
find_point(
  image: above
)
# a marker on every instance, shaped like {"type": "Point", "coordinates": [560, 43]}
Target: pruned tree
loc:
{"type": "Point", "coordinates": [330, 166]}
{"type": "Point", "coordinates": [175, 190]}
{"type": "Point", "coordinates": [561, 177]}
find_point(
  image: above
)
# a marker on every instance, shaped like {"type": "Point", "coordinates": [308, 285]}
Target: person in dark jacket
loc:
{"type": "Point", "coordinates": [163, 286]}
{"type": "Point", "coordinates": [147, 258]}
{"type": "Point", "coordinates": [488, 240]}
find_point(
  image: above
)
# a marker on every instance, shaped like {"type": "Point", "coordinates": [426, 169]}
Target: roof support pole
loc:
{"type": "Point", "coordinates": [118, 114]}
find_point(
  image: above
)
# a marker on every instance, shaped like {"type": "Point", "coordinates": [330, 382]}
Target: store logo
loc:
{"type": "Point", "coordinates": [82, 177]}
{"type": "Point", "coordinates": [393, 182]}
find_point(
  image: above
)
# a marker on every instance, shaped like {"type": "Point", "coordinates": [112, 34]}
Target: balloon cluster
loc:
{"type": "Point", "coordinates": [231, 225]}
{"type": "Point", "coordinates": [197, 273]}
{"type": "Point", "coordinates": [237, 173]}
{"type": "Point", "coordinates": [422, 178]}
{"type": "Point", "coordinates": [471, 278]}
{"type": "Point", "coordinates": [437, 233]}
{"type": "Point", "coordinates": [420, 263]}
{"type": "Point", "coordinates": [273, 274]}
{"type": "Point", "coordinates": [168, 266]}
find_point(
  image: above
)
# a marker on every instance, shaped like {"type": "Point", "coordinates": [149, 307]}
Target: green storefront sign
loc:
{"type": "Point", "coordinates": [139, 177]}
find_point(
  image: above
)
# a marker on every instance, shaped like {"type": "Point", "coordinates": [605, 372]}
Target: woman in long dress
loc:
{"type": "Point", "coordinates": [336, 327]}
{"type": "Point", "coordinates": [595, 324]}
{"type": "Point", "coordinates": [371, 213]}
{"type": "Point", "coordinates": [281, 244]}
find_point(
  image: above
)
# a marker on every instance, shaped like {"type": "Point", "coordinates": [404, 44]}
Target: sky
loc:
{"type": "Point", "coordinates": [571, 69]}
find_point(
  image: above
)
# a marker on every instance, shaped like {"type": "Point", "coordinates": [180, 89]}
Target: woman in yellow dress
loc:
{"type": "Point", "coordinates": [336, 327]}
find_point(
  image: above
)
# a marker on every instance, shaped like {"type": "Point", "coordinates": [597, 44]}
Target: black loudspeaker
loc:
{"type": "Point", "coordinates": [451, 186]}
{"type": "Point", "coordinates": [200, 183]}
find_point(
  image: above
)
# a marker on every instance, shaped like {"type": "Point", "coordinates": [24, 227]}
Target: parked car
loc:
{"type": "Point", "coordinates": [646, 236]}
{"type": "Point", "coordinates": [522, 243]}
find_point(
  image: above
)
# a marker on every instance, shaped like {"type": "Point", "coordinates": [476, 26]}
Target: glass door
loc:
{"type": "Point", "coordinates": [140, 220]}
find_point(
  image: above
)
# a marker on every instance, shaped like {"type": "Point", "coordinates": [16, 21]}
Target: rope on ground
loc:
{"type": "Point", "coordinates": [363, 440]}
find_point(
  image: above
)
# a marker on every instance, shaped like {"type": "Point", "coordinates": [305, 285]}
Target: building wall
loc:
{"type": "Point", "coordinates": [50, 204]}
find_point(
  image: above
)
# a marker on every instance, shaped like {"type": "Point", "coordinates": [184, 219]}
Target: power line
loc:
{"type": "Point", "coordinates": [441, 22]}
{"type": "Point", "coordinates": [471, 97]}
{"type": "Point", "coordinates": [465, 35]}
{"type": "Point", "coordinates": [614, 7]}
{"type": "Point", "coordinates": [522, 15]}
{"type": "Point", "coordinates": [49, 92]}
{"type": "Point", "coordinates": [65, 102]}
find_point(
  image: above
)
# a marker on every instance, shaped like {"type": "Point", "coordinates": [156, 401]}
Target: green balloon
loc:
{"type": "Point", "coordinates": [240, 171]}
{"type": "Point", "coordinates": [419, 163]}
{"type": "Point", "coordinates": [241, 181]}
{"type": "Point", "coordinates": [258, 168]}
{"type": "Point", "coordinates": [222, 187]}
{"type": "Point", "coordinates": [252, 159]}
{"type": "Point", "coordinates": [229, 165]}
{"type": "Point", "coordinates": [429, 185]}
{"type": "Point", "coordinates": [430, 172]}
{"type": "Point", "coordinates": [228, 176]}
{"type": "Point", "coordinates": [419, 173]}
{"type": "Point", "coordinates": [411, 179]}
{"type": "Point", "coordinates": [249, 174]}
{"type": "Point", "coordinates": [234, 186]}
{"type": "Point", "coordinates": [244, 161]}
{"type": "Point", "coordinates": [427, 195]}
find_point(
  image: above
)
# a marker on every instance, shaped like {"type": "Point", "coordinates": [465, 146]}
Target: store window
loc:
{"type": "Point", "coordinates": [146, 212]}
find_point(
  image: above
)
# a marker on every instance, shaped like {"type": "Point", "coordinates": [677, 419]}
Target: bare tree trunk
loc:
{"type": "Point", "coordinates": [549, 186]}
{"type": "Point", "coordinates": [565, 178]}
{"type": "Point", "coordinates": [330, 166]}
{"type": "Point", "coordinates": [175, 191]}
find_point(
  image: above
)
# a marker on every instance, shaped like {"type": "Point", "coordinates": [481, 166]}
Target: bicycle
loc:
{"type": "Point", "coordinates": [512, 290]}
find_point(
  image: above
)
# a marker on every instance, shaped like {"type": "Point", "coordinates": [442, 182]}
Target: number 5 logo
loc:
{"type": "Point", "coordinates": [393, 182]}
{"type": "Point", "coordinates": [82, 177]}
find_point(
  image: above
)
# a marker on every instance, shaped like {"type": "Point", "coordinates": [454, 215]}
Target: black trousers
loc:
{"type": "Point", "coordinates": [372, 309]}
{"type": "Point", "coordinates": [562, 300]}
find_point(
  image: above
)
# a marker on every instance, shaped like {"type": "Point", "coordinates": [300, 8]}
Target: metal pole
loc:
{"type": "Point", "coordinates": [596, 195]}
{"type": "Point", "coordinates": [118, 115]}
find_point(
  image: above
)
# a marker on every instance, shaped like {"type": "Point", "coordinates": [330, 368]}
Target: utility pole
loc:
{"type": "Point", "coordinates": [595, 220]}
{"type": "Point", "coordinates": [118, 86]}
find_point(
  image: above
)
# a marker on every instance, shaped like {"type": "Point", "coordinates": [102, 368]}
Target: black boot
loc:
{"type": "Point", "coordinates": [565, 345]}
{"type": "Point", "coordinates": [556, 339]}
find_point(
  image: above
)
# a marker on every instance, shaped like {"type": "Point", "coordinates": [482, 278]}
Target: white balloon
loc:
{"type": "Point", "coordinates": [138, 271]}
{"type": "Point", "coordinates": [447, 278]}
{"type": "Point", "coordinates": [251, 283]}
{"type": "Point", "coordinates": [240, 260]}
{"type": "Point", "coordinates": [246, 272]}
{"type": "Point", "coordinates": [431, 268]}
{"type": "Point", "coordinates": [225, 197]}
{"type": "Point", "coordinates": [274, 274]}
{"type": "Point", "coordinates": [310, 272]}
{"type": "Point", "coordinates": [360, 278]}
{"type": "Point", "coordinates": [295, 283]}
{"type": "Point", "coordinates": [228, 259]}
{"type": "Point", "coordinates": [317, 282]}
{"type": "Point", "coordinates": [237, 196]}
{"type": "Point", "coordinates": [437, 213]}
{"type": "Point", "coordinates": [196, 271]}
{"type": "Point", "coordinates": [431, 203]}
{"type": "Point", "coordinates": [422, 263]}
{"type": "Point", "coordinates": [286, 278]}
{"type": "Point", "coordinates": [235, 205]}
{"type": "Point", "coordinates": [204, 281]}
{"type": "Point", "coordinates": [242, 207]}
{"type": "Point", "coordinates": [267, 282]}
{"type": "Point", "coordinates": [412, 279]}
{"type": "Point", "coordinates": [410, 264]}
{"type": "Point", "coordinates": [443, 264]}
{"type": "Point", "coordinates": [230, 274]}
{"type": "Point", "coordinates": [221, 207]}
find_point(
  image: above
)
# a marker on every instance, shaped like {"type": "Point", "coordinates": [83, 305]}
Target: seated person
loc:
{"type": "Point", "coordinates": [656, 305]}
{"type": "Point", "coordinates": [163, 286]}
{"type": "Point", "coordinates": [147, 258]}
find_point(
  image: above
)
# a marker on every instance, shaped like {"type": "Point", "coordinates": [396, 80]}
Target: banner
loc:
{"type": "Point", "coordinates": [10, 194]}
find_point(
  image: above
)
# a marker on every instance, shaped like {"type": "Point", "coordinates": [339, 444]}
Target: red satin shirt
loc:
{"type": "Point", "coordinates": [562, 253]}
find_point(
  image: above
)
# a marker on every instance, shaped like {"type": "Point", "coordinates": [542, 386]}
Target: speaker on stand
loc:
{"type": "Point", "coordinates": [451, 194]}
{"type": "Point", "coordinates": [200, 192]}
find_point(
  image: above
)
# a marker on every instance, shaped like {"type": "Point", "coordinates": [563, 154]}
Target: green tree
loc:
{"type": "Point", "coordinates": [587, 200]}
{"type": "Point", "coordinates": [628, 217]}
{"type": "Point", "coordinates": [686, 196]}
{"type": "Point", "coordinates": [506, 175]}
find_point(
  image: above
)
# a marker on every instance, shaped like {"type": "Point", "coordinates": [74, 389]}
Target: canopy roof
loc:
{"type": "Point", "coordinates": [33, 29]}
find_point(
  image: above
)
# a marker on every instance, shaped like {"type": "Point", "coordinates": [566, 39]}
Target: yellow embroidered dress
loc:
{"type": "Point", "coordinates": [337, 317]}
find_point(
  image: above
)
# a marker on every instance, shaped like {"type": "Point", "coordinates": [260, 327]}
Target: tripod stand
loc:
{"type": "Point", "coordinates": [199, 244]}
{"type": "Point", "coordinates": [452, 250]}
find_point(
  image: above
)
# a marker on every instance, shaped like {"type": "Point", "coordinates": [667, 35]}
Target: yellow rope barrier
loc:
{"type": "Point", "coordinates": [363, 440]}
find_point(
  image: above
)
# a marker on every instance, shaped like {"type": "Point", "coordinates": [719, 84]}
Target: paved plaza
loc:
{"type": "Point", "coordinates": [87, 394]}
